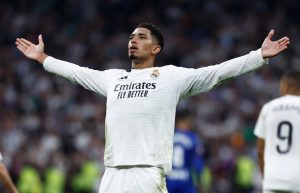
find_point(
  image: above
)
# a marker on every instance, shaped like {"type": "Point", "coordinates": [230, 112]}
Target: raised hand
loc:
{"type": "Point", "coordinates": [30, 50]}
{"type": "Point", "coordinates": [271, 48]}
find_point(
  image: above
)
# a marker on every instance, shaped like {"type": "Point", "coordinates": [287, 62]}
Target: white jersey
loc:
{"type": "Point", "coordinates": [279, 125]}
{"type": "Point", "coordinates": [141, 104]}
{"type": "Point", "coordinates": [1, 158]}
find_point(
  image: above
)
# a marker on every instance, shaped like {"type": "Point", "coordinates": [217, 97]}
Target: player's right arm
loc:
{"type": "Point", "coordinates": [90, 79]}
{"type": "Point", "coordinates": [32, 51]}
{"type": "Point", "coordinates": [6, 180]}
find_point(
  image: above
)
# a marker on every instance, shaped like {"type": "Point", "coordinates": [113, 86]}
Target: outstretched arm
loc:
{"type": "Point", "coordinates": [195, 81]}
{"type": "Point", "coordinates": [32, 51]}
{"type": "Point", "coordinates": [271, 48]}
{"type": "Point", "coordinates": [90, 79]}
{"type": "Point", "coordinates": [6, 180]}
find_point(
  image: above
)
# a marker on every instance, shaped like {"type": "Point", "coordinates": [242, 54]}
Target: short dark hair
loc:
{"type": "Point", "coordinates": [155, 31]}
{"type": "Point", "coordinates": [292, 78]}
{"type": "Point", "coordinates": [183, 114]}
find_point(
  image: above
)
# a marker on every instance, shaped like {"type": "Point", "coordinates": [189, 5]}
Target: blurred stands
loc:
{"type": "Point", "coordinates": [46, 121]}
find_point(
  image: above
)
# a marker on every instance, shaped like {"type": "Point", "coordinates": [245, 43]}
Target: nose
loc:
{"type": "Point", "coordinates": [133, 40]}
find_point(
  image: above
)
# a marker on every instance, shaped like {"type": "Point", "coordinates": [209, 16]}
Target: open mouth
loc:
{"type": "Point", "coordinates": [133, 48]}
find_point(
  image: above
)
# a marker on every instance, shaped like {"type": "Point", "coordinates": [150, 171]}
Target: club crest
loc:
{"type": "Point", "coordinates": [154, 74]}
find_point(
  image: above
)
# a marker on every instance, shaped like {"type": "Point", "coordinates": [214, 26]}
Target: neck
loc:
{"type": "Point", "coordinates": [137, 64]}
{"type": "Point", "coordinates": [296, 93]}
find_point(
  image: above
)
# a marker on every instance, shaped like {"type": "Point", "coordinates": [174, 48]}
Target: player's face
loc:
{"type": "Point", "coordinates": [141, 44]}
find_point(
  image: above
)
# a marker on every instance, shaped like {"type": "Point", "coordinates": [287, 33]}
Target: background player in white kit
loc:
{"type": "Point", "coordinates": [5, 178]}
{"type": "Point", "coordinates": [141, 104]}
{"type": "Point", "coordinates": [278, 144]}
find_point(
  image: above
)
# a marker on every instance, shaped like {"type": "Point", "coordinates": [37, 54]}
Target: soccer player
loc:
{"type": "Point", "coordinates": [278, 144]}
{"type": "Point", "coordinates": [5, 178]}
{"type": "Point", "coordinates": [141, 104]}
{"type": "Point", "coordinates": [187, 157]}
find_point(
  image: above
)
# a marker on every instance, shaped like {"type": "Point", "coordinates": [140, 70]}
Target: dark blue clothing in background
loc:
{"type": "Point", "coordinates": [187, 157]}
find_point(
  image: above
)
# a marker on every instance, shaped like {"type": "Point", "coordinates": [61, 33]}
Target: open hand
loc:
{"type": "Point", "coordinates": [30, 50]}
{"type": "Point", "coordinates": [271, 48]}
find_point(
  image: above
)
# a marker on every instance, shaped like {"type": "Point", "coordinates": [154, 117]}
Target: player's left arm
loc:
{"type": "Point", "coordinates": [271, 48]}
{"type": "Point", "coordinates": [260, 133]}
{"type": "Point", "coordinates": [203, 79]}
{"type": "Point", "coordinates": [260, 146]}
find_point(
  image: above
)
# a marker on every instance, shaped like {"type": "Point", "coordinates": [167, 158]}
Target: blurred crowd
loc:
{"type": "Point", "coordinates": [47, 122]}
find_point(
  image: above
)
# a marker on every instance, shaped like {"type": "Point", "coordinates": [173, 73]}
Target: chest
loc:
{"type": "Point", "coordinates": [150, 89]}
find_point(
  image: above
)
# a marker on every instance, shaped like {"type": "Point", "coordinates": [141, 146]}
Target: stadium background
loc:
{"type": "Point", "coordinates": [46, 122]}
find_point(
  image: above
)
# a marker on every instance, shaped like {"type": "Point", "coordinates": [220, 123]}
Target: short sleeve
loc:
{"type": "Point", "coordinates": [259, 129]}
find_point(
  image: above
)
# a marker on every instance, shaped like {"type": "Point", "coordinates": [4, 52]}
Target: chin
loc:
{"type": "Point", "coordinates": [132, 57]}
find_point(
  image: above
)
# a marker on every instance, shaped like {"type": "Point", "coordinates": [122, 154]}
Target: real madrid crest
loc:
{"type": "Point", "coordinates": [155, 73]}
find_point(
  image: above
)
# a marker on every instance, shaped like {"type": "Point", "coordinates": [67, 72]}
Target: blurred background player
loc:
{"type": "Point", "coordinates": [187, 157]}
{"type": "Point", "coordinates": [278, 132]}
{"type": "Point", "coordinates": [5, 178]}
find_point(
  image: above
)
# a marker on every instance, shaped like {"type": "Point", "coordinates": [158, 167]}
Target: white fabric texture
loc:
{"type": "Point", "coordinates": [133, 180]}
{"type": "Point", "coordinates": [141, 104]}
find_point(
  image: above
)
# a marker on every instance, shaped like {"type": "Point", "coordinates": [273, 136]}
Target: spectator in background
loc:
{"type": "Point", "coordinates": [5, 178]}
{"type": "Point", "coordinates": [187, 162]}
{"type": "Point", "coordinates": [278, 132]}
{"type": "Point", "coordinates": [30, 180]}
{"type": "Point", "coordinates": [244, 174]}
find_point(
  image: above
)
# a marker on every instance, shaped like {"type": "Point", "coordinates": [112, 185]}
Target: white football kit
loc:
{"type": "Point", "coordinates": [141, 104]}
{"type": "Point", "coordinates": [279, 125]}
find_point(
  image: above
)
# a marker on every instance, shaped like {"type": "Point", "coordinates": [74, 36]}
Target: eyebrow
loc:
{"type": "Point", "coordinates": [138, 34]}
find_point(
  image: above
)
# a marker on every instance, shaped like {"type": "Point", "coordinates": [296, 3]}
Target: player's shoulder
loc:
{"type": "Point", "coordinates": [168, 70]}
{"type": "Point", "coordinates": [271, 103]}
{"type": "Point", "coordinates": [175, 70]}
{"type": "Point", "coordinates": [172, 66]}
{"type": "Point", "coordinates": [167, 67]}
{"type": "Point", "coordinates": [115, 70]}
{"type": "Point", "coordinates": [187, 136]}
{"type": "Point", "coordinates": [284, 99]}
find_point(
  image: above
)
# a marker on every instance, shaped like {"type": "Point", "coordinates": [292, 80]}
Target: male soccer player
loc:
{"type": "Point", "coordinates": [278, 144]}
{"type": "Point", "coordinates": [141, 104]}
{"type": "Point", "coordinates": [187, 156]}
{"type": "Point", "coordinates": [5, 178]}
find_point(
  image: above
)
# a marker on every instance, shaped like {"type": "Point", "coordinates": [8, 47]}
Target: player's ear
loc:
{"type": "Point", "coordinates": [156, 49]}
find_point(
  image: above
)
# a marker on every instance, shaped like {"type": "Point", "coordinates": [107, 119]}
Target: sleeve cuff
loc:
{"type": "Point", "coordinates": [47, 60]}
{"type": "Point", "coordinates": [264, 61]}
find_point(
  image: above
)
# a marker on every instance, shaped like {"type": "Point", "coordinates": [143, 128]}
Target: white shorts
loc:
{"type": "Point", "coordinates": [133, 179]}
